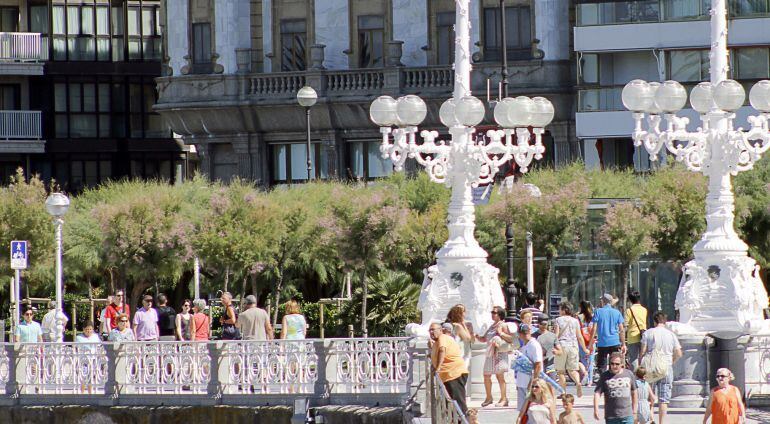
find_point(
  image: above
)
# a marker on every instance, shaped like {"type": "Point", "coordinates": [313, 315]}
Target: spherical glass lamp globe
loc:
{"type": "Point", "coordinates": [637, 96]}
{"type": "Point", "coordinates": [542, 112]}
{"type": "Point", "coordinates": [502, 113]}
{"type": "Point", "coordinates": [759, 96]}
{"type": "Point", "coordinates": [671, 97]}
{"type": "Point", "coordinates": [57, 204]}
{"type": "Point", "coordinates": [306, 96]}
{"type": "Point", "coordinates": [653, 107]}
{"type": "Point", "coordinates": [729, 95]}
{"type": "Point", "coordinates": [469, 111]}
{"type": "Point", "coordinates": [702, 97]}
{"type": "Point", "coordinates": [447, 113]}
{"type": "Point", "coordinates": [520, 112]}
{"type": "Point", "coordinates": [411, 110]}
{"type": "Point", "coordinates": [383, 111]}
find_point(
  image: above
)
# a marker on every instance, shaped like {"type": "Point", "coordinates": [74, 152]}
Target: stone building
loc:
{"type": "Point", "coordinates": [234, 67]}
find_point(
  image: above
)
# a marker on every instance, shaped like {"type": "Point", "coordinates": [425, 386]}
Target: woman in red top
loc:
{"type": "Point", "coordinates": [200, 321]}
{"type": "Point", "coordinates": [724, 405]}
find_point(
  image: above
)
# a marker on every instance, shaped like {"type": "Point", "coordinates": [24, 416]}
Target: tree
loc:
{"type": "Point", "coordinates": [626, 234]}
{"type": "Point", "coordinates": [393, 297]}
{"type": "Point", "coordinates": [364, 226]}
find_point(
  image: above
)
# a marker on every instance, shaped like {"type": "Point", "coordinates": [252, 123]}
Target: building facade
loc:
{"type": "Point", "coordinates": [654, 40]}
{"type": "Point", "coordinates": [77, 89]}
{"type": "Point", "coordinates": [234, 68]}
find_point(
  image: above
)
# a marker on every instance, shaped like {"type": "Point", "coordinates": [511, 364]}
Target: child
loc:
{"type": "Point", "coordinates": [644, 414]}
{"type": "Point", "coordinates": [569, 416]}
{"type": "Point", "coordinates": [473, 416]}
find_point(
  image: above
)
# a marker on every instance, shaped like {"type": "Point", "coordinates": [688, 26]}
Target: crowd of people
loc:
{"type": "Point", "coordinates": [162, 322]}
{"type": "Point", "coordinates": [629, 365]}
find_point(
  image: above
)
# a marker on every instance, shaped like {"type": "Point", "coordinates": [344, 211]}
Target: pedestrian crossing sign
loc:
{"type": "Point", "coordinates": [18, 254]}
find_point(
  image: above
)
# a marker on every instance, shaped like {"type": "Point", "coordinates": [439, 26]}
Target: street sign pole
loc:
{"type": "Point", "coordinates": [17, 296]}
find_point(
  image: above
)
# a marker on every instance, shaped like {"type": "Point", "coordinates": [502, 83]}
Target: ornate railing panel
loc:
{"type": "Point", "coordinates": [446, 410]}
{"type": "Point", "coordinates": [166, 367]}
{"type": "Point", "coordinates": [372, 365]}
{"type": "Point", "coordinates": [5, 369]}
{"type": "Point", "coordinates": [66, 368]}
{"type": "Point", "coordinates": [439, 77]}
{"type": "Point", "coordinates": [270, 367]}
{"type": "Point", "coordinates": [278, 83]}
{"type": "Point", "coordinates": [359, 80]}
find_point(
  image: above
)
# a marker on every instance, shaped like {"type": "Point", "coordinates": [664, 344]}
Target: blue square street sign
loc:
{"type": "Point", "coordinates": [18, 254]}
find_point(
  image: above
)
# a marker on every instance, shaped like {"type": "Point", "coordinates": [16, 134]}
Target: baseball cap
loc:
{"type": "Point", "coordinates": [524, 328]}
{"type": "Point", "coordinates": [607, 297]}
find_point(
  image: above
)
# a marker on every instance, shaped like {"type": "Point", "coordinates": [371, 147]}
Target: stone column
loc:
{"type": "Point", "coordinates": [219, 371]}
{"type": "Point", "coordinates": [317, 57]}
{"type": "Point", "coordinates": [332, 28]}
{"type": "Point", "coordinates": [233, 28]}
{"type": "Point", "coordinates": [267, 35]}
{"type": "Point", "coordinates": [12, 351]}
{"type": "Point", "coordinates": [394, 50]}
{"type": "Point", "coordinates": [410, 23]}
{"type": "Point", "coordinates": [691, 373]}
{"type": "Point", "coordinates": [550, 16]}
{"type": "Point", "coordinates": [177, 30]}
{"type": "Point", "coordinates": [241, 147]}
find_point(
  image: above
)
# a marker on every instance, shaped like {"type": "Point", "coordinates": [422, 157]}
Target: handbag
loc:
{"type": "Point", "coordinates": [230, 331]}
{"type": "Point", "coordinates": [524, 416]}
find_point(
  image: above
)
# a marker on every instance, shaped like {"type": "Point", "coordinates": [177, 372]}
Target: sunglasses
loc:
{"type": "Point", "coordinates": [719, 377]}
{"type": "Point", "coordinates": [535, 388]}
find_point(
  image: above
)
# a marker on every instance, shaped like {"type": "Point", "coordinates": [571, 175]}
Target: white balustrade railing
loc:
{"type": "Point", "coordinates": [374, 365]}
{"type": "Point", "coordinates": [20, 47]}
{"type": "Point", "coordinates": [270, 367]}
{"type": "Point", "coordinates": [20, 124]}
{"type": "Point", "coordinates": [153, 372]}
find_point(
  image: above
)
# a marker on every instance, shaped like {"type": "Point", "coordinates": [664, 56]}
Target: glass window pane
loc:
{"type": "Point", "coordinates": [117, 21]}
{"type": "Point", "coordinates": [279, 162]}
{"type": "Point", "coordinates": [117, 49]}
{"type": "Point", "coordinates": [82, 126]}
{"type": "Point", "coordinates": [73, 20]}
{"type": "Point", "coordinates": [59, 48]}
{"type": "Point", "coordinates": [134, 49]}
{"type": "Point", "coordinates": [89, 98]}
{"type": "Point", "coordinates": [103, 49]}
{"type": "Point", "coordinates": [751, 63]}
{"type": "Point", "coordinates": [682, 9]}
{"type": "Point", "coordinates": [148, 26]}
{"type": "Point", "coordinates": [135, 122]}
{"type": "Point", "coordinates": [371, 22]}
{"type": "Point", "coordinates": [91, 173]}
{"type": "Point", "coordinates": [87, 20]}
{"type": "Point", "coordinates": [133, 21]}
{"type": "Point", "coordinates": [104, 97]}
{"type": "Point", "coordinates": [60, 97]}
{"type": "Point", "coordinates": [118, 126]}
{"type": "Point", "coordinates": [75, 97]}
{"type": "Point", "coordinates": [378, 167]}
{"type": "Point", "coordinates": [104, 126]}
{"type": "Point", "coordinates": [157, 22]}
{"type": "Point", "coordinates": [118, 98]}
{"type": "Point", "coordinates": [61, 126]}
{"type": "Point", "coordinates": [155, 126]}
{"type": "Point", "coordinates": [102, 21]}
{"type": "Point", "coordinates": [149, 97]}
{"type": "Point", "coordinates": [590, 68]}
{"type": "Point", "coordinates": [38, 18]}
{"type": "Point", "coordinates": [299, 162]}
{"type": "Point", "coordinates": [357, 159]}
{"type": "Point", "coordinates": [135, 98]}
{"type": "Point", "coordinates": [105, 169]}
{"type": "Point", "coordinates": [58, 19]}
{"type": "Point", "coordinates": [685, 65]}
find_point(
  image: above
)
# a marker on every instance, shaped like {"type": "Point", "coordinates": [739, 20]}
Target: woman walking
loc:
{"type": "Point", "coordinates": [498, 339]}
{"type": "Point", "coordinates": [184, 322]}
{"type": "Point", "coordinates": [724, 405]}
{"type": "Point", "coordinates": [200, 321]}
{"type": "Point", "coordinates": [540, 407]}
{"type": "Point", "coordinates": [462, 331]}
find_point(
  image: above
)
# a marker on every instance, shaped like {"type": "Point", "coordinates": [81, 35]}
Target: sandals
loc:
{"type": "Point", "coordinates": [486, 403]}
{"type": "Point", "coordinates": [502, 404]}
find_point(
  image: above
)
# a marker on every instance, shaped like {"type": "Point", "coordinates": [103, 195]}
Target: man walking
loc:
{"type": "Point", "coordinates": [254, 322]}
{"type": "Point", "coordinates": [618, 386]}
{"type": "Point", "coordinates": [117, 307]}
{"type": "Point", "coordinates": [146, 321]}
{"type": "Point", "coordinates": [447, 361]}
{"type": "Point", "coordinates": [608, 324]}
{"type": "Point", "coordinates": [636, 323]}
{"type": "Point", "coordinates": [662, 348]}
{"type": "Point", "coordinates": [166, 319]}
{"type": "Point", "coordinates": [532, 350]}
{"type": "Point", "coordinates": [28, 331]}
{"type": "Point", "coordinates": [567, 329]}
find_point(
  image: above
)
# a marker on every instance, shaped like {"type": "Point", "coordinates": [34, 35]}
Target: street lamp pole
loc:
{"type": "Point", "coordinates": [57, 204]}
{"type": "Point", "coordinates": [307, 97]}
{"type": "Point", "coordinates": [720, 289]}
{"type": "Point", "coordinates": [504, 50]}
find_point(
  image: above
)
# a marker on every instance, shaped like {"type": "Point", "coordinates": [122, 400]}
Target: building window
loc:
{"type": "Point", "coordinates": [366, 161]}
{"type": "Point", "coordinates": [10, 97]}
{"type": "Point", "coordinates": [445, 38]}
{"type": "Point", "coordinates": [589, 68]}
{"type": "Point", "coordinates": [9, 19]}
{"type": "Point", "coordinates": [518, 33]}
{"type": "Point", "coordinates": [293, 42]}
{"type": "Point", "coordinates": [143, 27]}
{"type": "Point", "coordinates": [289, 162]}
{"type": "Point", "coordinates": [678, 10]}
{"type": "Point", "coordinates": [371, 38]}
{"type": "Point", "coordinates": [202, 48]}
{"type": "Point", "coordinates": [688, 65]}
{"type": "Point", "coordinates": [748, 7]}
{"type": "Point", "coordinates": [751, 63]}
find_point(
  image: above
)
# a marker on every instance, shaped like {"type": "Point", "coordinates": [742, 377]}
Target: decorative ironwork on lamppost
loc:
{"type": "Point", "coordinates": [720, 289]}
{"type": "Point", "coordinates": [57, 205]}
{"type": "Point", "coordinates": [462, 274]}
{"type": "Point", "coordinates": [306, 97]}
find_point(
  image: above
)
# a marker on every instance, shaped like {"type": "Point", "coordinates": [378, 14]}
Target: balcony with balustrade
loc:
{"type": "Point", "coordinates": [21, 53]}
{"type": "Point", "coordinates": [21, 131]}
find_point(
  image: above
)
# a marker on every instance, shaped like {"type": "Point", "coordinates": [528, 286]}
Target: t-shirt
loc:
{"type": "Point", "coordinates": [607, 320]}
{"type": "Point", "coordinates": [534, 352]}
{"type": "Point", "coordinates": [146, 322]}
{"type": "Point", "coordinates": [29, 333]}
{"type": "Point", "coordinates": [201, 322]}
{"type": "Point", "coordinates": [166, 320]}
{"type": "Point", "coordinates": [547, 341]}
{"type": "Point", "coordinates": [113, 311]}
{"type": "Point", "coordinates": [663, 339]}
{"type": "Point", "coordinates": [633, 335]}
{"type": "Point", "coordinates": [252, 324]}
{"type": "Point", "coordinates": [569, 327]}
{"type": "Point", "coordinates": [295, 327]}
{"type": "Point", "coordinates": [93, 338]}
{"type": "Point", "coordinates": [617, 390]}
{"type": "Point", "coordinates": [453, 365]}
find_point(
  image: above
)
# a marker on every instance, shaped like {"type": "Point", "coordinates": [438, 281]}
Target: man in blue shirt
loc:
{"type": "Point", "coordinates": [608, 324]}
{"type": "Point", "coordinates": [28, 330]}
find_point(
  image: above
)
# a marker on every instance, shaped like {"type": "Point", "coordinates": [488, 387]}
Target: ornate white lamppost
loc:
{"type": "Point", "coordinates": [720, 289]}
{"type": "Point", "coordinates": [57, 204]}
{"type": "Point", "coordinates": [462, 274]}
{"type": "Point", "coordinates": [306, 97]}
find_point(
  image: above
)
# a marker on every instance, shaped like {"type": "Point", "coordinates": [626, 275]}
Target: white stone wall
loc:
{"type": "Point", "coordinates": [267, 34]}
{"type": "Point", "coordinates": [552, 28]}
{"type": "Point", "coordinates": [410, 25]}
{"type": "Point", "coordinates": [176, 34]}
{"type": "Point", "coordinates": [233, 29]}
{"type": "Point", "coordinates": [332, 28]}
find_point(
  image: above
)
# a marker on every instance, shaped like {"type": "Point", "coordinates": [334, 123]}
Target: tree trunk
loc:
{"type": "Point", "coordinates": [227, 277]}
{"type": "Point", "coordinates": [254, 288]}
{"type": "Point", "coordinates": [181, 289]}
{"type": "Point", "coordinates": [624, 268]}
{"type": "Point", "coordinates": [243, 289]}
{"type": "Point", "coordinates": [135, 293]}
{"type": "Point", "coordinates": [548, 276]}
{"type": "Point", "coordinates": [365, 295]}
{"type": "Point", "coordinates": [278, 289]}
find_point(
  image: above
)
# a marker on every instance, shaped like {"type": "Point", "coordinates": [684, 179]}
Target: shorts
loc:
{"type": "Point", "coordinates": [567, 360]}
{"type": "Point", "coordinates": [663, 387]}
{"type": "Point", "coordinates": [623, 420]}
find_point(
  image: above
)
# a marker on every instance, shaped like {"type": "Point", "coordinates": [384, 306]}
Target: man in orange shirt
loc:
{"type": "Point", "coordinates": [448, 362]}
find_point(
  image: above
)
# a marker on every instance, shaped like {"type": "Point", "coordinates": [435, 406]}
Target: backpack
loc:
{"type": "Point", "coordinates": [657, 364]}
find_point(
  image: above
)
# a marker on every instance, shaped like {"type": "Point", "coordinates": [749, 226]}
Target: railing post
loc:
{"type": "Point", "coordinates": [393, 83]}
{"type": "Point", "coordinates": [12, 386]}
{"type": "Point", "coordinates": [322, 386]}
{"type": "Point", "coordinates": [219, 372]}
{"type": "Point", "coordinates": [116, 371]}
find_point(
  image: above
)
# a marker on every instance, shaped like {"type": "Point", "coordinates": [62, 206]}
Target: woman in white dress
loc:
{"type": "Point", "coordinates": [540, 407]}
